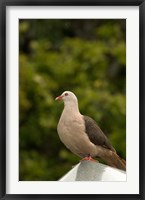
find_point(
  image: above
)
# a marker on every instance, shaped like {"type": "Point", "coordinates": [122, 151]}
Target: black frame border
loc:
{"type": "Point", "coordinates": [3, 5]}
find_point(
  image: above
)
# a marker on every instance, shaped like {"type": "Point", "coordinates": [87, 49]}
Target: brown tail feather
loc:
{"type": "Point", "coordinates": [112, 159]}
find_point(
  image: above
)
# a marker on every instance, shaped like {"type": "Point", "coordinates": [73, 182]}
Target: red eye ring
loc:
{"type": "Point", "coordinates": [66, 94]}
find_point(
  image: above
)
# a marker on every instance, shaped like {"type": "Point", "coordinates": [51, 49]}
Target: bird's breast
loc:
{"type": "Point", "coordinates": [71, 131]}
{"type": "Point", "coordinates": [70, 127]}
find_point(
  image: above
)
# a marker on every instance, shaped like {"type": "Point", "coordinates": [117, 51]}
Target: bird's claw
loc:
{"type": "Point", "coordinates": [88, 158]}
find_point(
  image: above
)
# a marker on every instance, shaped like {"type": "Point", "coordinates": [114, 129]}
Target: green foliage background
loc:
{"type": "Point", "coordinates": [87, 57]}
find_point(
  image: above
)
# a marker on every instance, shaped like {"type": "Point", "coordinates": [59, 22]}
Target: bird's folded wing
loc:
{"type": "Point", "coordinates": [95, 134]}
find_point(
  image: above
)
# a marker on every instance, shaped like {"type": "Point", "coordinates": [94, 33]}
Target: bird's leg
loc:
{"type": "Point", "coordinates": [88, 158]}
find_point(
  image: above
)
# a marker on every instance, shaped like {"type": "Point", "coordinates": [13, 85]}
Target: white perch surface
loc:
{"type": "Point", "coordinates": [94, 171]}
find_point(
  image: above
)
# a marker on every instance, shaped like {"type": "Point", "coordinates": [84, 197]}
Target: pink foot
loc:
{"type": "Point", "coordinates": [88, 158]}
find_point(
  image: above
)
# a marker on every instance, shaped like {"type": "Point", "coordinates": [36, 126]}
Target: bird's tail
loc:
{"type": "Point", "coordinates": [112, 159]}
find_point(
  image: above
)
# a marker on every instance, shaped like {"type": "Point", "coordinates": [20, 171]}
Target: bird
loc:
{"type": "Point", "coordinates": [82, 135]}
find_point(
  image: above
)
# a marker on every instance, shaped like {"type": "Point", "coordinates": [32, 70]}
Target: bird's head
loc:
{"type": "Point", "coordinates": [67, 97]}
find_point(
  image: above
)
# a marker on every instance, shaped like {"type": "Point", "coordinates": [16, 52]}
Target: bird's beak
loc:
{"type": "Point", "coordinates": [59, 98]}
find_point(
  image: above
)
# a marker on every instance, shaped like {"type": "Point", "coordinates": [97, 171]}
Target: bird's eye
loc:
{"type": "Point", "coordinates": [66, 94]}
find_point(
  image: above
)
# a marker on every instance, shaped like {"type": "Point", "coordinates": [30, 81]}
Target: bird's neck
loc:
{"type": "Point", "coordinates": [72, 106]}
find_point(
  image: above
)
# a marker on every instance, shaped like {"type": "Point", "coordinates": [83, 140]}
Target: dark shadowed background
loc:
{"type": "Point", "coordinates": [87, 57]}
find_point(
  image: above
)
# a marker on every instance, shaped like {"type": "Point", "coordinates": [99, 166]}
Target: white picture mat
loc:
{"type": "Point", "coordinates": [131, 14]}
